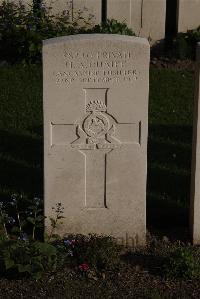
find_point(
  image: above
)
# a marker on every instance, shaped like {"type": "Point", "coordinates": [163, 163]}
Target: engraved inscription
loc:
{"type": "Point", "coordinates": [97, 67]}
{"type": "Point", "coordinates": [98, 55]}
{"type": "Point", "coordinates": [98, 133]}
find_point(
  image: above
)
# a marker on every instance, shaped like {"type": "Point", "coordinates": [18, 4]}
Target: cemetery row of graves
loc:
{"type": "Point", "coordinates": [96, 148]}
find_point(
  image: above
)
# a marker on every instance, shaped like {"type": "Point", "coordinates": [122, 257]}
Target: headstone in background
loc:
{"type": "Point", "coordinates": [27, 3]}
{"type": "Point", "coordinates": [188, 15]}
{"type": "Point", "coordinates": [95, 133]}
{"type": "Point", "coordinates": [145, 17]}
{"type": "Point", "coordinates": [87, 7]}
{"type": "Point", "coordinates": [195, 177]}
{"type": "Point", "coordinates": [128, 11]}
{"type": "Point", "coordinates": [58, 6]}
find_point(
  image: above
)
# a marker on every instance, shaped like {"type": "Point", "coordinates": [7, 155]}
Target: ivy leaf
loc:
{"type": "Point", "coordinates": [31, 220]}
{"type": "Point", "coordinates": [9, 263]}
{"type": "Point", "coordinates": [24, 268]}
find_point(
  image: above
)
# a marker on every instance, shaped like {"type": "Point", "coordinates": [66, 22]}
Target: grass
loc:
{"type": "Point", "coordinates": [170, 121]}
{"type": "Point", "coordinates": [169, 150]}
{"type": "Point", "coordinates": [20, 131]}
{"type": "Point", "coordinates": [170, 138]}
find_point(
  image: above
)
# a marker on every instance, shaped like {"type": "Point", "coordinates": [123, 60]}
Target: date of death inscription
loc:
{"type": "Point", "coordinates": [97, 67]}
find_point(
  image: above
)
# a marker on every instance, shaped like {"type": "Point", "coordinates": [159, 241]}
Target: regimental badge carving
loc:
{"type": "Point", "coordinates": [97, 129]}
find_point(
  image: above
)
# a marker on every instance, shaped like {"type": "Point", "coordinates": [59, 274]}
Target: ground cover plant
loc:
{"type": "Point", "coordinates": [23, 252]}
{"type": "Point", "coordinates": [183, 45]}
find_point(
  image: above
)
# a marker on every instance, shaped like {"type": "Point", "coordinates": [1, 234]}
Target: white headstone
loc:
{"type": "Point", "coordinates": [89, 7]}
{"type": "Point", "coordinates": [58, 6]}
{"type": "Point", "coordinates": [145, 17]}
{"type": "Point", "coordinates": [74, 7]}
{"type": "Point", "coordinates": [188, 15]}
{"type": "Point", "coordinates": [95, 133]}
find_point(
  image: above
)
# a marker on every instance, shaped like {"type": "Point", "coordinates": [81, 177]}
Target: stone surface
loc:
{"type": "Point", "coordinates": [58, 6]}
{"type": "Point", "coordinates": [188, 15]}
{"type": "Point", "coordinates": [128, 11]}
{"type": "Point", "coordinates": [86, 7]}
{"type": "Point", "coordinates": [95, 134]}
{"type": "Point", "coordinates": [195, 176]}
{"type": "Point", "coordinates": [89, 7]}
{"type": "Point", "coordinates": [145, 17]}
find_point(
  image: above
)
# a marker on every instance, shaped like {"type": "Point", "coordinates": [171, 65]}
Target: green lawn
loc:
{"type": "Point", "coordinates": [21, 131]}
{"type": "Point", "coordinates": [169, 148]}
{"type": "Point", "coordinates": [170, 136]}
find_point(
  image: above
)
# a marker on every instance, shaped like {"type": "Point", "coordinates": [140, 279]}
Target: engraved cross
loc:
{"type": "Point", "coordinates": [98, 133]}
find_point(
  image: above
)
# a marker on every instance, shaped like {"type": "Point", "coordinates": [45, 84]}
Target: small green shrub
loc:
{"type": "Point", "coordinates": [22, 30]}
{"type": "Point", "coordinates": [185, 44]}
{"type": "Point", "coordinates": [22, 218]}
{"type": "Point", "coordinates": [182, 47]}
{"type": "Point", "coordinates": [58, 216]}
{"type": "Point", "coordinates": [112, 27]}
{"type": "Point", "coordinates": [182, 264]}
{"type": "Point", "coordinates": [20, 253]}
{"type": "Point", "coordinates": [98, 252]}
{"type": "Point", "coordinates": [18, 257]}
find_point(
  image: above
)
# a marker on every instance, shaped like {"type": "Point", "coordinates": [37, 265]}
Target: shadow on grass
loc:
{"type": "Point", "coordinates": [168, 187]}
{"type": "Point", "coordinates": [21, 163]}
{"type": "Point", "coordinates": [168, 184]}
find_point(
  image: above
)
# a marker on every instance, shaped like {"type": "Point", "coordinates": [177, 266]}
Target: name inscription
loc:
{"type": "Point", "coordinates": [97, 67]}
